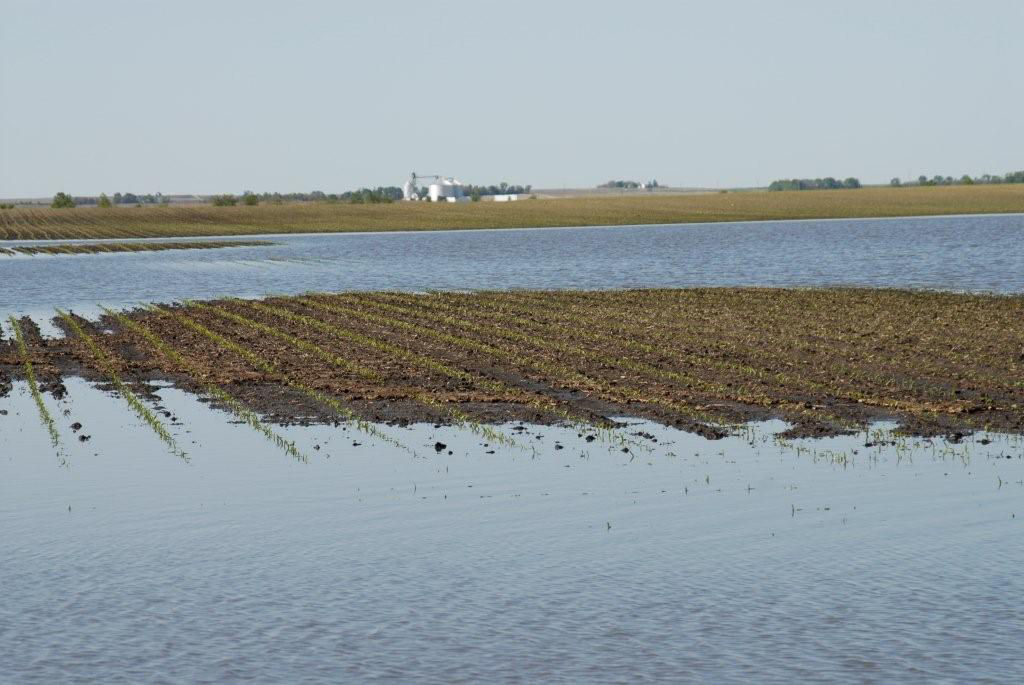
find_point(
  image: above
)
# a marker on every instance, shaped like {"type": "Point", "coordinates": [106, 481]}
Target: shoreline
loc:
{"type": "Point", "coordinates": [345, 232]}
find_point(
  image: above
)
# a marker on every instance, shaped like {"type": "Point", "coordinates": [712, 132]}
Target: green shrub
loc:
{"type": "Point", "coordinates": [62, 201]}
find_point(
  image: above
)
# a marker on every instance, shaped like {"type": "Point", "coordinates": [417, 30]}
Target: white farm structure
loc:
{"type": "Point", "coordinates": [443, 189]}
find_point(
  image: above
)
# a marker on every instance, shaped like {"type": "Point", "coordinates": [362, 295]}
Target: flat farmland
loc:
{"type": "Point", "coordinates": [205, 220]}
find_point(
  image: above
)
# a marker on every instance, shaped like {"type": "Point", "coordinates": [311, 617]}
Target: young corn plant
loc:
{"type": "Point", "coordinates": [129, 397]}
{"type": "Point", "coordinates": [242, 412]}
{"type": "Point", "coordinates": [460, 418]}
{"type": "Point", "coordinates": [37, 396]}
{"type": "Point", "coordinates": [268, 368]}
{"type": "Point", "coordinates": [549, 368]}
{"type": "Point", "coordinates": [530, 399]}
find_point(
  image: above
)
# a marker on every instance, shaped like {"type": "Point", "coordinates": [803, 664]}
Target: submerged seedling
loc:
{"type": "Point", "coordinates": [460, 418]}
{"type": "Point", "coordinates": [269, 368]}
{"type": "Point", "coordinates": [245, 414]}
{"type": "Point", "coordinates": [37, 396]}
{"type": "Point", "coordinates": [129, 397]}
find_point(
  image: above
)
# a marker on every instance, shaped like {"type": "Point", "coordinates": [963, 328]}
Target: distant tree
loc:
{"type": "Point", "coordinates": [250, 199]}
{"type": "Point", "coordinates": [922, 180]}
{"type": "Point", "coordinates": [851, 182]}
{"type": "Point", "coordinates": [226, 200]}
{"type": "Point", "coordinates": [475, 195]}
{"type": "Point", "coordinates": [62, 201]}
{"type": "Point", "coordinates": [104, 201]}
{"type": "Point", "coordinates": [966, 180]}
{"type": "Point", "coordinates": [895, 182]}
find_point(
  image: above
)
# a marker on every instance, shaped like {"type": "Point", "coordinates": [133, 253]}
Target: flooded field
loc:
{"type": "Point", "coordinates": [562, 486]}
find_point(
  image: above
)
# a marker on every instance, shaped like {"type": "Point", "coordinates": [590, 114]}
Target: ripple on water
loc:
{"type": "Point", "coordinates": [736, 560]}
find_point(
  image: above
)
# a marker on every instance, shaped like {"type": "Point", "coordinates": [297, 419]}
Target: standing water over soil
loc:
{"type": "Point", "coordinates": [974, 253]}
{"type": "Point", "coordinates": [734, 560]}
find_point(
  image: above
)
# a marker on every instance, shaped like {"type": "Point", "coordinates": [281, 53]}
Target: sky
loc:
{"type": "Point", "coordinates": [208, 97]}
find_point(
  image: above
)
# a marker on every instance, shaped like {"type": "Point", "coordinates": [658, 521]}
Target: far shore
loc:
{"type": "Point", "coordinates": [657, 208]}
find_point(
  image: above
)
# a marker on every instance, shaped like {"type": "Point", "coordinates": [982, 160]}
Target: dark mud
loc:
{"type": "Point", "coordinates": [828, 362]}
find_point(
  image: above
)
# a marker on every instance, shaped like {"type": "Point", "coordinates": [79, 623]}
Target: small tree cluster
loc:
{"type": "Point", "coordinates": [500, 189]}
{"type": "Point", "coordinates": [62, 201]}
{"type": "Point", "coordinates": [369, 197]}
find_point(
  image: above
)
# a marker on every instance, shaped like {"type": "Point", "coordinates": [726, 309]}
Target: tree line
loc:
{"type": "Point", "coordinates": [827, 183]}
{"type": "Point", "coordinates": [378, 195]}
{"type": "Point", "coordinates": [965, 180]}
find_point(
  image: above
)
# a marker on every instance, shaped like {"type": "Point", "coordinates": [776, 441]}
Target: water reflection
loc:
{"type": "Point", "coordinates": [739, 559]}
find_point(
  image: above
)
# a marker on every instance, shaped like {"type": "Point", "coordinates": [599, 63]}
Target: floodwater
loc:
{"type": "Point", "coordinates": [738, 560]}
{"type": "Point", "coordinates": [973, 253]}
{"type": "Point", "coordinates": [560, 560]}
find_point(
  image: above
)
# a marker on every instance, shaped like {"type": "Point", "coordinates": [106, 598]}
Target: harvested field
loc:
{"type": "Point", "coordinates": [828, 361]}
{"type": "Point", "coordinates": [205, 220]}
{"type": "Point", "coordinates": [102, 248]}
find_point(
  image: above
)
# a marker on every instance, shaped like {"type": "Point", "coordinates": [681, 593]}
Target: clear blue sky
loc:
{"type": "Point", "coordinates": [183, 96]}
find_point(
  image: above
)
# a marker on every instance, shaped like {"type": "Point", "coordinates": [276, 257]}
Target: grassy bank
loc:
{"type": "Point", "coordinates": [90, 222]}
{"type": "Point", "coordinates": [827, 361]}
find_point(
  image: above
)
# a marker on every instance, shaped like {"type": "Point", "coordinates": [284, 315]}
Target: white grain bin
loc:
{"type": "Point", "coordinates": [447, 190]}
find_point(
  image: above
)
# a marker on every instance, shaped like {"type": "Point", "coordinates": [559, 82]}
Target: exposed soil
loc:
{"type": "Point", "coordinates": [827, 361]}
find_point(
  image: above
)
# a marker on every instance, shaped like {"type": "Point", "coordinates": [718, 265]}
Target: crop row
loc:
{"type": "Point", "coordinates": [102, 248]}
{"type": "Point", "coordinates": [105, 363]}
{"type": "Point", "coordinates": [727, 361]}
{"type": "Point", "coordinates": [30, 376]}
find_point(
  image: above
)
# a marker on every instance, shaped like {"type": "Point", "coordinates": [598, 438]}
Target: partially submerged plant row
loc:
{"type": "Point", "coordinates": [705, 360]}
{"type": "Point", "coordinates": [244, 413]}
{"type": "Point", "coordinates": [131, 399]}
{"type": "Point", "coordinates": [271, 370]}
{"type": "Point", "coordinates": [33, 385]}
{"type": "Point", "coordinates": [103, 248]}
